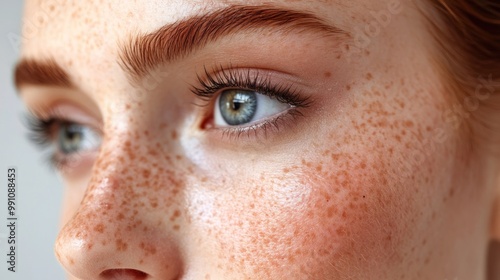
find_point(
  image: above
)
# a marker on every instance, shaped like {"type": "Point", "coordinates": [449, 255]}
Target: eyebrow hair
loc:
{"type": "Point", "coordinates": [173, 41]}
{"type": "Point", "coordinates": [45, 72]}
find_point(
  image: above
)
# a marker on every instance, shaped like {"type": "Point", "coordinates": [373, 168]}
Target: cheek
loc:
{"type": "Point", "coordinates": [357, 212]}
{"type": "Point", "coordinates": [314, 220]}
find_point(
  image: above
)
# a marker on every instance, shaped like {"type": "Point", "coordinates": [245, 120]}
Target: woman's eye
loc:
{"type": "Point", "coordinates": [236, 107]}
{"type": "Point", "coordinates": [72, 138]}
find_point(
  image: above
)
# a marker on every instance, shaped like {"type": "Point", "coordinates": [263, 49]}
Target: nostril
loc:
{"type": "Point", "coordinates": [123, 274]}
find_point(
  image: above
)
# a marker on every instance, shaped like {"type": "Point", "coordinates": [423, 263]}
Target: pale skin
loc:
{"type": "Point", "coordinates": [371, 182]}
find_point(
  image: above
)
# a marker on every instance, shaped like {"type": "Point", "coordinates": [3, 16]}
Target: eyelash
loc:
{"type": "Point", "coordinates": [41, 133]}
{"type": "Point", "coordinates": [213, 83]}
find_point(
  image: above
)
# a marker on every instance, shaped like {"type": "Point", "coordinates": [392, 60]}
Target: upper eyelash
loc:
{"type": "Point", "coordinates": [222, 78]}
{"type": "Point", "coordinates": [39, 133]}
{"type": "Point", "coordinates": [39, 129]}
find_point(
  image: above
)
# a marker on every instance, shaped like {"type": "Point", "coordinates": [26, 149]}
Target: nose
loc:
{"type": "Point", "coordinates": [120, 231]}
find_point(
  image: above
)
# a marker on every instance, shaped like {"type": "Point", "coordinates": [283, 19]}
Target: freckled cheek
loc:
{"type": "Point", "coordinates": [356, 212]}
{"type": "Point", "coordinates": [305, 221]}
{"type": "Point", "coordinates": [321, 220]}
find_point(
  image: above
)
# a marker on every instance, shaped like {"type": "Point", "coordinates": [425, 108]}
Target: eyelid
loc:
{"type": "Point", "coordinates": [68, 112]}
{"type": "Point", "coordinates": [282, 86]}
{"type": "Point", "coordinates": [261, 129]}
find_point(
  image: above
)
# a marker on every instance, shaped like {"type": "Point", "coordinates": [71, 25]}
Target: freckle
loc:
{"type": "Point", "coordinates": [174, 134]}
{"type": "Point", "coordinates": [176, 215]}
{"type": "Point", "coordinates": [408, 124]}
{"type": "Point", "coordinates": [120, 216]}
{"type": "Point", "coordinates": [146, 173]}
{"type": "Point", "coordinates": [328, 74]}
{"type": "Point", "coordinates": [369, 76]}
{"type": "Point", "coordinates": [286, 170]}
{"type": "Point", "coordinates": [99, 228]}
{"type": "Point", "coordinates": [344, 214]}
{"type": "Point", "coordinates": [127, 106]}
{"type": "Point", "coordinates": [355, 105]}
{"type": "Point", "coordinates": [362, 165]}
{"type": "Point", "coordinates": [176, 227]}
{"type": "Point", "coordinates": [120, 245]}
{"type": "Point", "coordinates": [331, 210]}
{"type": "Point", "coordinates": [348, 87]}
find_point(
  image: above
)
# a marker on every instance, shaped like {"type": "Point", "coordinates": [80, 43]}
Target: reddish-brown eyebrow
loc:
{"type": "Point", "coordinates": [173, 41]}
{"type": "Point", "coordinates": [176, 40]}
{"type": "Point", "coordinates": [45, 72]}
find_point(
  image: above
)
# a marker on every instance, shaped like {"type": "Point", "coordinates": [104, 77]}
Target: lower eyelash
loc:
{"type": "Point", "coordinates": [262, 128]}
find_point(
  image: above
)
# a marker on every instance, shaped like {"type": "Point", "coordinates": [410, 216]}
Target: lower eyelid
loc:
{"type": "Point", "coordinates": [264, 129]}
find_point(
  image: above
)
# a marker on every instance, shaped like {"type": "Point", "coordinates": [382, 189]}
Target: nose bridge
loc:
{"type": "Point", "coordinates": [120, 223]}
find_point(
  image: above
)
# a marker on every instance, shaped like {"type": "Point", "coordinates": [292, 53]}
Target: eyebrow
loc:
{"type": "Point", "coordinates": [142, 53]}
{"type": "Point", "coordinates": [174, 41]}
{"type": "Point", "coordinates": [46, 72]}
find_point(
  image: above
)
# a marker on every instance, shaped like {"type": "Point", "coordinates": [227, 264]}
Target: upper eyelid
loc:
{"type": "Point", "coordinates": [258, 79]}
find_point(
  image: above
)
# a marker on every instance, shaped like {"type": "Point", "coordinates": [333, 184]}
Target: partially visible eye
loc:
{"type": "Point", "coordinates": [236, 107]}
{"type": "Point", "coordinates": [65, 141]}
{"type": "Point", "coordinates": [73, 138]}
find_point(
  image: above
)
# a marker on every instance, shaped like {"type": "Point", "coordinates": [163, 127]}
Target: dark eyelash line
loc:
{"type": "Point", "coordinates": [39, 129]}
{"type": "Point", "coordinates": [223, 78]}
{"type": "Point", "coordinates": [40, 133]}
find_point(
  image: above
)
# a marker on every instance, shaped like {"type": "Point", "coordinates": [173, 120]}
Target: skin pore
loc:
{"type": "Point", "coordinates": [353, 182]}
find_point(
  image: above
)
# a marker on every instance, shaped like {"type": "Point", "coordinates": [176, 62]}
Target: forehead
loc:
{"type": "Point", "coordinates": [106, 20]}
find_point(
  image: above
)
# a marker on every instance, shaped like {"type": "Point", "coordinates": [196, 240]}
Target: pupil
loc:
{"type": "Point", "coordinates": [70, 138]}
{"type": "Point", "coordinates": [236, 105]}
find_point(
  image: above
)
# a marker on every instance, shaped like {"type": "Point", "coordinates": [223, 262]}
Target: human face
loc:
{"type": "Point", "coordinates": [346, 169]}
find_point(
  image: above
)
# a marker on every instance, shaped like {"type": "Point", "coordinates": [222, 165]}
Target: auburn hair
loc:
{"type": "Point", "coordinates": [467, 33]}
